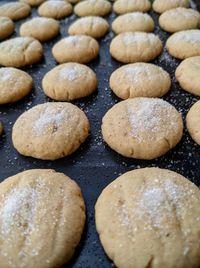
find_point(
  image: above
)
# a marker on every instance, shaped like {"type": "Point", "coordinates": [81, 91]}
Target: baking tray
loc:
{"type": "Point", "coordinates": [95, 165]}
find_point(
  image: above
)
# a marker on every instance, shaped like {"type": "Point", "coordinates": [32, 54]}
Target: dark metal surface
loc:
{"type": "Point", "coordinates": [95, 165]}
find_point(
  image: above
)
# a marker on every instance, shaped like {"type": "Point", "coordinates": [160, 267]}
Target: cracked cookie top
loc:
{"type": "Point", "coordinates": [140, 80]}
{"type": "Point", "coordinates": [150, 218]}
{"type": "Point", "coordinates": [50, 131]}
{"type": "Point", "coordinates": [20, 51]}
{"type": "Point", "coordinates": [142, 128]}
{"type": "Point", "coordinates": [69, 81]}
{"type": "Point", "coordinates": [132, 47]}
{"type": "Point", "coordinates": [42, 216]}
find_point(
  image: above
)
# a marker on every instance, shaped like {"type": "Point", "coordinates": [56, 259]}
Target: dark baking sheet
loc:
{"type": "Point", "coordinates": [95, 165]}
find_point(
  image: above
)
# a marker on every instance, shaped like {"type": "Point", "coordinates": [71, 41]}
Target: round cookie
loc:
{"type": "Point", "coordinates": [55, 9]}
{"type": "Point", "coordinates": [14, 85]}
{"type": "Point", "coordinates": [161, 6]}
{"type": "Point", "coordinates": [69, 81]}
{"type": "Point", "coordinates": [192, 122]}
{"type": "Point", "coordinates": [125, 6]}
{"type": "Point", "coordinates": [184, 44]}
{"type": "Point", "coordinates": [42, 29]}
{"type": "Point", "coordinates": [140, 80]}
{"type": "Point", "coordinates": [1, 128]}
{"type": "Point", "coordinates": [50, 131]}
{"type": "Point", "coordinates": [6, 27]}
{"type": "Point", "coordinates": [93, 8]}
{"type": "Point", "coordinates": [133, 47]}
{"type": "Point", "coordinates": [20, 51]}
{"type": "Point", "coordinates": [133, 22]}
{"type": "Point", "coordinates": [15, 10]}
{"type": "Point", "coordinates": [150, 218]}
{"type": "Point", "coordinates": [77, 48]}
{"type": "Point", "coordinates": [187, 74]}
{"type": "Point", "coordinates": [92, 25]}
{"type": "Point", "coordinates": [33, 3]}
{"type": "Point", "coordinates": [179, 19]}
{"type": "Point", "coordinates": [42, 216]}
{"type": "Point", "coordinates": [142, 128]}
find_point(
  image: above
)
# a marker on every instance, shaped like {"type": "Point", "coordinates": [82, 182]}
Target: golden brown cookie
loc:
{"type": "Point", "coordinates": [125, 6]}
{"type": "Point", "coordinates": [40, 28]}
{"type": "Point", "coordinates": [184, 44]}
{"type": "Point", "coordinates": [69, 81]}
{"type": "Point", "coordinates": [192, 122]}
{"type": "Point", "coordinates": [93, 8]}
{"type": "Point", "coordinates": [133, 22]}
{"type": "Point", "coordinates": [14, 85]}
{"type": "Point", "coordinates": [6, 27]}
{"type": "Point", "coordinates": [42, 216]}
{"type": "Point", "coordinates": [150, 218]}
{"type": "Point", "coordinates": [91, 25]}
{"type": "Point", "coordinates": [187, 74]}
{"type": "Point", "coordinates": [20, 51]}
{"type": "Point", "coordinates": [77, 48]}
{"type": "Point", "coordinates": [142, 128]}
{"type": "Point", "coordinates": [140, 80]}
{"type": "Point", "coordinates": [132, 47]}
{"type": "Point", "coordinates": [55, 9]}
{"type": "Point", "coordinates": [179, 19]}
{"type": "Point", "coordinates": [161, 6]}
{"type": "Point", "coordinates": [50, 131]}
{"type": "Point", "coordinates": [15, 10]}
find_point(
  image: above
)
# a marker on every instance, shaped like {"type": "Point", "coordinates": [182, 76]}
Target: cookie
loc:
{"type": "Point", "coordinates": [133, 47]}
{"type": "Point", "coordinates": [55, 9]}
{"type": "Point", "coordinates": [14, 85]}
{"type": "Point", "coordinates": [179, 19]}
{"type": "Point", "coordinates": [140, 80]}
{"type": "Point", "coordinates": [69, 81]}
{"type": "Point", "coordinates": [77, 48]}
{"type": "Point", "coordinates": [6, 27]}
{"type": "Point", "coordinates": [93, 26]}
{"type": "Point", "coordinates": [161, 6]}
{"type": "Point", "coordinates": [15, 10]}
{"type": "Point", "coordinates": [50, 131]}
{"type": "Point", "coordinates": [42, 29]}
{"type": "Point", "coordinates": [20, 51]}
{"type": "Point", "coordinates": [150, 218]}
{"type": "Point", "coordinates": [184, 44]}
{"type": "Point", "coordinates": [125, 6]}
{"type": "Point", "coordinates": [33, 3]}
{"type": "Point", "coordinates": [42, 216]}
{"type": "Point", "coordinates": [187, 74]}
{"type": "Point", "coordinates": [142, 128]}
{"type": "Point", "coordinates": [1, 128]}
{"type": "Point", "coordinates": [93, 8]}
{"type": "Point", "coordinates": [133, 22]}
{"type": "Point", "coordinates": [192, 122]}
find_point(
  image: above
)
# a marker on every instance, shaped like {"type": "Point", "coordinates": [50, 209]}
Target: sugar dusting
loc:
{"type": "Point", "coordinates": [18, 203]}
{"type": "Point", "coordinates": [19, 213]}
{"type": "Point", "coordinates": [71, 73]}
{"type": "Point", "coordinates": [151, 116]}
{"type": "Point", "coordinates": [6, 74]}
{"type": "Point", "coordinates": [191, 36]}
{"type": "Point", "coordinates": [50, 117]}
{"type": "Point", "coordinates": [159, 205]}
{"type": "Point", "coordinates": [72, 39]}
{"type": "Point", "coordinates": [56, 3]}
{"type": "Point", "coordinates": [134, 38]}
{"type": "Point", "coordinates": [134, 73]}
